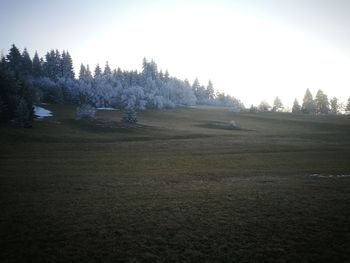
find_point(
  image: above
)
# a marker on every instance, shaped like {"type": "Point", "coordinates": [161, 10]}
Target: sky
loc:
{"type": "Point", "coordinates": [253, 50]}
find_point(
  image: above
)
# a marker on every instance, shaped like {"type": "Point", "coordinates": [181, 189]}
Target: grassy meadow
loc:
{"type": "Point", "coordinates": [179, 186]}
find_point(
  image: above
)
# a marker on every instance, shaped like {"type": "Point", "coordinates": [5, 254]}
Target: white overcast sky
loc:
{"type": "Point", "coordinates": [253, 50]}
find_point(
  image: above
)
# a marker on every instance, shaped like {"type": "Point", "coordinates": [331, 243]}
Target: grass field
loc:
{"type": "Point", "coordinates": [178, 187]}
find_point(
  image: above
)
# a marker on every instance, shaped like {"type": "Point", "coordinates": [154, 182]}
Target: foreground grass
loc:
{"type": "Point", "coordinates": [179, 186]}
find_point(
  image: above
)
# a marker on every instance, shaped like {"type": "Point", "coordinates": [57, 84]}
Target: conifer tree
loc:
{"type": "Point", "coordinates": [322, 103]}
{"type": "Point", "coordinates": [210, 90]}
{"type": "Point", "coordinates": [296, 107]}
{"type": "Point", "coordinates": [27, 65]}
{"type": "Point", "coordinates": [107, 71]}
{"type": "Point", "coordinates": [14, 59]}
{"type": "Point", "coordinates": [37, 66]}
{"type": "Point", "coordinates": [97, 71]}
{"type": "Point", "coordinates": [308, 105]}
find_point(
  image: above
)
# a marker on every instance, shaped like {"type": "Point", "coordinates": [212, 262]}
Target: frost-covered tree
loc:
{"type": "Point", "coordinates": [296, 107]}
{"type": "Point", "coordinates": [264, 106]}
{"type": "Point", "coordinates": [97, 72]}
{"type": "Point", "coordinates": [107, 71]}
{"type": "Point", "coordinates": [308, 105]}
{"type": "Point", "coordinates": [277, 104]}
{"type": "Point", "coordinates": [322, 103]}
{"type": "Point", "coordinates": [210, 92]}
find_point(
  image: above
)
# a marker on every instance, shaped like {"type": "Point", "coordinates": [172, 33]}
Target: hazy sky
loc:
{"type": "Point", "coordinates": [253, 50]}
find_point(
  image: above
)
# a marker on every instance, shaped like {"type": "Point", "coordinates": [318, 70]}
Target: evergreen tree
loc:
{"type": "Point", "coordinates": [129, 116]}
{"type": "Point", "coordinates": [97, 71]}
{"type": "Point", "coordinates": [296, 107]}
{"type": "Point", "coordinates": [107, 71]}
{"type": "Point", "coordinates": [210, 90]}
{"type": "Point", "coordinates": [27, 65]}
{"type": "Point", "coordinates": [322, 103]}
{"type": "Point", "coordinates": [37, 66]}
{"type": "Point", "coordinates": [82, 72]}
{"type": "Point", "coordinates": [67, 65]}
{"type": "Point", "coordinates": [14, 59]}
{"type": "Point", "coordinates": [334, 105]}
{"type": "Point", "coordinates": [277, 104]}
{"type": "Point", "coordinates": [308, 105]}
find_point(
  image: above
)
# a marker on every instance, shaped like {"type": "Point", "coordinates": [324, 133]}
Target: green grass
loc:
{"type": "Point", "coordinates": [177, 187]}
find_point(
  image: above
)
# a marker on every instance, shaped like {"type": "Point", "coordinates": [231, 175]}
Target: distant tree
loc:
{"type": "Point", "coordinates": [264, 106]}
{"type": "Point", "coordinates": [253, 109]}
{"type": "Point", "coordinates": [334, 105]}
{"type": "Point", "coordinates": [308, 105]}
{"type": "Point", "coordinates": [210, 91]}
{"type": "Point", "coordinates": [67, 65]}
{"type": "Point", "coordinates": [37, 66]}
{"type": "Point", "coordinates": [82, 72]}
{"type": "Point", "coordinates": [107, 71]}
{"type": "Point", "coordinates": [347, 108]}
{"type": "Point", "coordinates": [14, 59]}
{"type": "Point", "coordinates": [27, 65]}
{"type": "Point", "coordinates": [296, 107]}
{"type": "Point", "coordinates": [98, 71]}
{"type": "Point", "coordinates": [322, 103]}
{"type": "Point", "coordinates": [277, 105]}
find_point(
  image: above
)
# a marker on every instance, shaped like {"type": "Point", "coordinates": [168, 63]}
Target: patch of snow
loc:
{"type": "Point", "coordinates": [102, 108]}
{"type": "Point", "coordinates": [41, 113]}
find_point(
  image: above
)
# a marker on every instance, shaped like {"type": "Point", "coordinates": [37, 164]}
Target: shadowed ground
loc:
{"type": "Point", "coordinates": [179, 186]}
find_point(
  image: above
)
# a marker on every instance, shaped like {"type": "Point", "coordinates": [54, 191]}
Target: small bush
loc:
{"type": "Point", "coordinates": [129, 116]}
{"type": "Point", "coordinates": [232, 124]}
{"type": "Point", "coordinates": [86, 112]}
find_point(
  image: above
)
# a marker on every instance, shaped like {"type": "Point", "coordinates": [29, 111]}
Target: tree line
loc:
{"type": "Point", "coordinates": [318, 105]}
{"type": "Point", "coordinates": [25, 81]}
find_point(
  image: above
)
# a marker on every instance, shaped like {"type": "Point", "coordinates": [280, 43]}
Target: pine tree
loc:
{"type": "Point", "coordinates": [14, 59]}
{"type": "Point", "coordinates": [308, 105]}
{"type": "Point", "coordinates": [27, 65]}
{"type": "Point", "coordinates": [277, 104]}
{"type": "Point", "coordinates": [296, 107]}
{"type": "Point", "coordinates": [97, 71]}
{"type": "Point", "coordinates": [107, 71]}
{"type": "Point", "coordinates": [322, 103]}
{"type": "Point", "coordinates": [67, 65]}
{"type": "Point", "coordinates": [129, 116]}
{"type": "Point", "coordinates": [37, 66]}
{"type": "Point", "coordinates": [334, 105]}
{"type": "Point", "coordinates": [210, 90]}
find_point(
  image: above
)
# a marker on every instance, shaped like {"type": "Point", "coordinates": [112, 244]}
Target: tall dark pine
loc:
{"type": "Point", "coordinates": [67, 65]}
{"type": "Point", "coordinates": [27, 65]}
{"type": "Point", "coordinates": [14, 59]}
